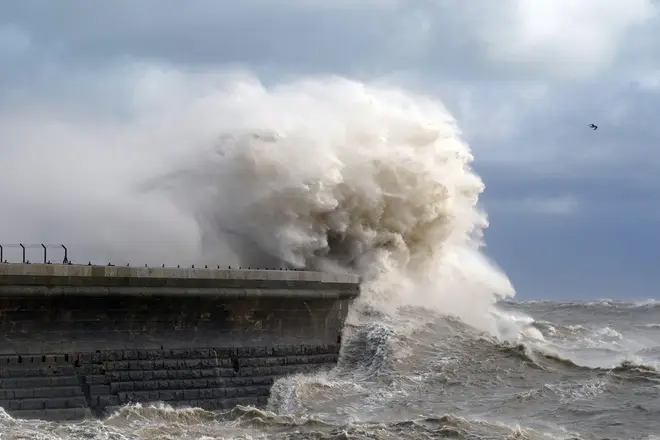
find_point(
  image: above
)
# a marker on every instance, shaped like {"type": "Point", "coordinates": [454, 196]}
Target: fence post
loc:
{"type": "Point", "coordinates": [66, 254]}
{"type": "Point", "coordinates": [22, 247]}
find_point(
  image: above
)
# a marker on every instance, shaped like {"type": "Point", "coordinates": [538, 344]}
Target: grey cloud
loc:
{"type": "Point", "coordinates": [543, 129]}
{"type": "Point", "coordinates": [596, 195]}
{"type": "Point", "coordinates": [446, 38]}
{"type": "Point", "coordinates": [281, 33]}
{"type": "Point", "coordinates": [13, 42]}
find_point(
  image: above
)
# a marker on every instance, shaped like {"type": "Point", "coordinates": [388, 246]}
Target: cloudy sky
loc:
{"type": "Point", "coordinates": [573, 212]}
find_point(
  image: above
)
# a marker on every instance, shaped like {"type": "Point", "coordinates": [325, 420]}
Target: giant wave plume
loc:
{"type": "Point", "coordinates": [322, 173]}
{"type": "Point", "coordinates": [336, 175]}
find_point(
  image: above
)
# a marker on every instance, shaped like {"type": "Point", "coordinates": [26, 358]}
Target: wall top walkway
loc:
{"type": "Point", "coordinates": [48, 275]}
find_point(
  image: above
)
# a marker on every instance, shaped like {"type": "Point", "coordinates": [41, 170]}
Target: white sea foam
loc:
{"type": "Point", "coordinates": [337, 175]}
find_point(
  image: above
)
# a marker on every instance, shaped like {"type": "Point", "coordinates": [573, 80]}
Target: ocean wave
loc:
{"type": "Point", "coordinates": [389, 194]}
{"type": "Point", "coordinates": [647, 304]}
{"type": "Point", "coordinates": [567, 391]}
{"type": "Point", "coordinates": [160, 422]}
{"type": "Point", "coordinates": [633, 367]}
{"type": "Point", "coordinates": [159, 412]}
{"type": "Point", "coordinates": [537, 358]}
{"type": "Point", "coordinates": [545, 359]}
{"type": "Point", "coordinates": [251, 417]}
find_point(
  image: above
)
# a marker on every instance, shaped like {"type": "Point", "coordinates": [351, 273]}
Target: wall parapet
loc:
{"type": "Point", "coordinates": [85, 280]}
{"type": "Point", "coordinates": [109, 272]}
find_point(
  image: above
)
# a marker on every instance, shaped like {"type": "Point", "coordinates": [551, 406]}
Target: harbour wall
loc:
{"type": "Point", "coordinates": [78, 341]}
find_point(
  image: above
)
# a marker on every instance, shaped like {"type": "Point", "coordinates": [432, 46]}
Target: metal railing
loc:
{"type": "Point", "coordinates": [45, 247]}
{"type": "Point", "coordinates": [42, 246]}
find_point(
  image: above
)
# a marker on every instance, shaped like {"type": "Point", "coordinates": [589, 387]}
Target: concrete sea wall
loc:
{"type": "Point", "coordinates": [81, 340]}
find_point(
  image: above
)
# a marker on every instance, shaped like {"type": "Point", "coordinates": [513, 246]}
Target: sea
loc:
{"type": "Point", "coordinates": [577, 370]}
{"type": "Point", "coordinates": [333, 174]}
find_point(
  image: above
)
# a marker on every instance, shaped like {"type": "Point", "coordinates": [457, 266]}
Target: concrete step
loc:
{"type": "Point", "coordinates": [35, 370]}
{"type": "Point", "coordinates": [58, 415]}
{"type": "Point", "coordinates": [47, 393]}
{"type": "Point", "coordinates": [43, 403]}
{"type": "Point", "coordinates": [183, 384]}
{"type": "Point", "coordinates": [34, 359]}
{"type": "Point", "coordinates": [192, 394]}
{"type": "Point", "coordinates": [181, 374]}
{"type": "Point", "coordinates": [39, 382]}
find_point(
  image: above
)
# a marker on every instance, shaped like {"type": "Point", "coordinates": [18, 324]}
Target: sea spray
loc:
{"type": "Point", "coordinates": [332, 174]}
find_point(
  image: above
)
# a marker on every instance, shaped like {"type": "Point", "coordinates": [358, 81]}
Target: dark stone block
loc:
{"type": "Point", "coordinates": [9, 383]}
{"type": "Point", "coordinates": [166, 395]}
{"type": "Point", "coordinates": [218, 382]}
{"type": "Point", "coordinates": [24, 393]}
{"type": "Point", "coordinates": [66, 381]}
{"type": "Point", "coordinates": [160, 374]}
{"type": "Point", "coordinates": [99, 389]}
{"type": "Point", "coordinates": [32, 404]}
{"type": "Point", "coordinates": [145, 385]}
{"type": "Point", "coordinates": [200, 383]}
{"type": "Point", "coordinates": [57, 392]}
{"type": "Point", "coordinates": [117, 387]}
{"type": "Point", "coordinates": [143, 365]}
{"type": "Point", "coordinates": [74, 402]}
{"type": "Point", "coordinates": [96, 379]}
{"type": "Point", "coordinates": [136, 375]}
{"type": "Point", "coordinates": [190, 394]}
{"type": "Point", "coordinates": [105, 401]}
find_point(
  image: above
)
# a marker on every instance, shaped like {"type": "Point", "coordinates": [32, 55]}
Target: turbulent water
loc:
{"type": "Point", "coordinates": [581, 370]}
{"type": "Point", "coordinates": [334, 175]}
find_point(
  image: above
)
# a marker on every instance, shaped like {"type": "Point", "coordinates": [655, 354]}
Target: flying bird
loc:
{"type": "Point", "coordinates": [594, 126]}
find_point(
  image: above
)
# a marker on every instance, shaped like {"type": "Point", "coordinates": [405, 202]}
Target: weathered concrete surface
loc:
{"type": "Point", "coordinates": [77, 340]}
{"type": "Point", "coordinates": [40, 279]}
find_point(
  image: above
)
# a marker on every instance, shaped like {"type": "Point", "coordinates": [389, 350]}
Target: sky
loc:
{"type": "Point", "coordinates": [572, 211]}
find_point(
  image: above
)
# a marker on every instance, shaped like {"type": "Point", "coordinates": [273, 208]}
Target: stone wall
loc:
{"type": "Point", "coordinates": [41, 386]}
{"type": "Point", "coordinates": [77, 352]}
{"type": "Point", "coordinates": [65, 387]}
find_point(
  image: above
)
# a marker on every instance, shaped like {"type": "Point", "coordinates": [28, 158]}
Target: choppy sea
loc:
{"type": "Point", "coordinates": [575, 370]}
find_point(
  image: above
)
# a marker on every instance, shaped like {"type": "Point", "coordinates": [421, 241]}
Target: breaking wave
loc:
{"type": "Point", "coordinates": [542, 358]}
{"type": "Point", "coordinates": [156, 422]}
{"type": "Point", "coordinates": [336, 175]}
{"type": "Point", "coordinates": [340, 176]}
